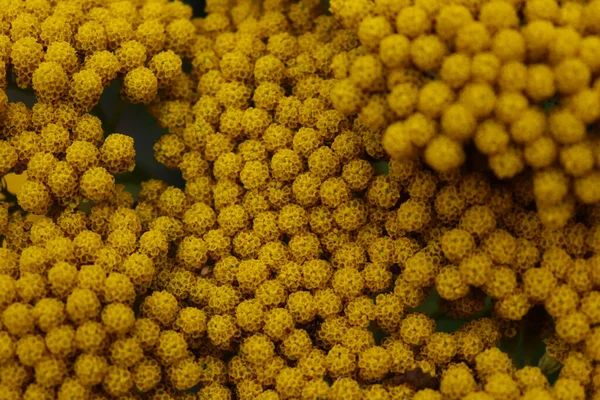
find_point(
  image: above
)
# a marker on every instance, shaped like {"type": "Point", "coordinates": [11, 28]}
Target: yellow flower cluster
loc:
{"type": "Point", "coordinates": [288, 267]}
{"type": "Point", "coordinates": [515, 81]}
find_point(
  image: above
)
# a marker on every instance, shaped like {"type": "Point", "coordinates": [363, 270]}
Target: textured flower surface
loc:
{"type": "Point", "coordinates": [375, 199]}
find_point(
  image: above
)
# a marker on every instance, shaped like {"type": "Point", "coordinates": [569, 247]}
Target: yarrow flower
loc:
{"type": "Point", "coordinates": [341, 166]}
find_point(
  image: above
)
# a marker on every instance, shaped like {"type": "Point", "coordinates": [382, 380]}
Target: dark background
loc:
{"type": "Point", "coordinates": [198, 6]}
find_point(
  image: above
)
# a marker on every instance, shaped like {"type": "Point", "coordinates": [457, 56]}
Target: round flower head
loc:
{"type": "Point", "coordinates": [397, 142]}
{"type": "Point", "coordinates": [82, 305]}
{"type": "Point", "coordinates": [235, 66]}
{"type": "Point", "coordinates": [394, 51]}
{"type": "Point", "coordinates": [234, 94]}
{"type": "Point", "coordinates": [151, 33]}
{"type": "Point", "coordinates": [180, 36]}
{"type": "Point", "coordinates": [444, 154]}
{"type": "Point", "coordinates": [269, 69]}
{"type": "Point", "coordinates": [62, 53]}
{"type": "Point", "coordinates": [105, 64]}
{"type": "Point", "coordinates": [82, 155]}
{"type": "Point", "coordinates": [413, 21]}
{"type": "Point", "coordinates": [117, 153]}
{"type": "Point", "coordinates": [254, 175]}
{"type": "Point", "coordinates": [165, 66]}
{"type": "Point", "coordinates": [50, 81]}
{"type": "Point", "coordinates": [91, 37]}
{"type": "Point", "coordinates": [267, 95]}
{"type": "Point", "coordinates": [54, 138]}
{"type": "Point", "coordinates": [118, 31]}
{"type": "Point", "coordinates": [427, 53]}
{"type": "Point", "coordinates": [346, 97]}
{"type": "Point", "coordinates": [140, 85]}
{"type": "Point", "coordinates": [456, 70]}
{"type": "Point", "coordinates": [26, 55]}
{"type": "Point", "coordinates": [367, 73]}
{"type": "Point", "coordinates": [86, 88]}
{"type": "Point", "coordinates": [9, 157]}
{"type": "Point", "coordinates": [34, 197]}
{"type": "Point", "coordinates": [571, 76]}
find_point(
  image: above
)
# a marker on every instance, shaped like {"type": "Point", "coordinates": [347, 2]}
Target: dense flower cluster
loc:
{"type": "Point", "coordinates": [516, 81]}
{"type": "Point", "coordinates": [287, 267]}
